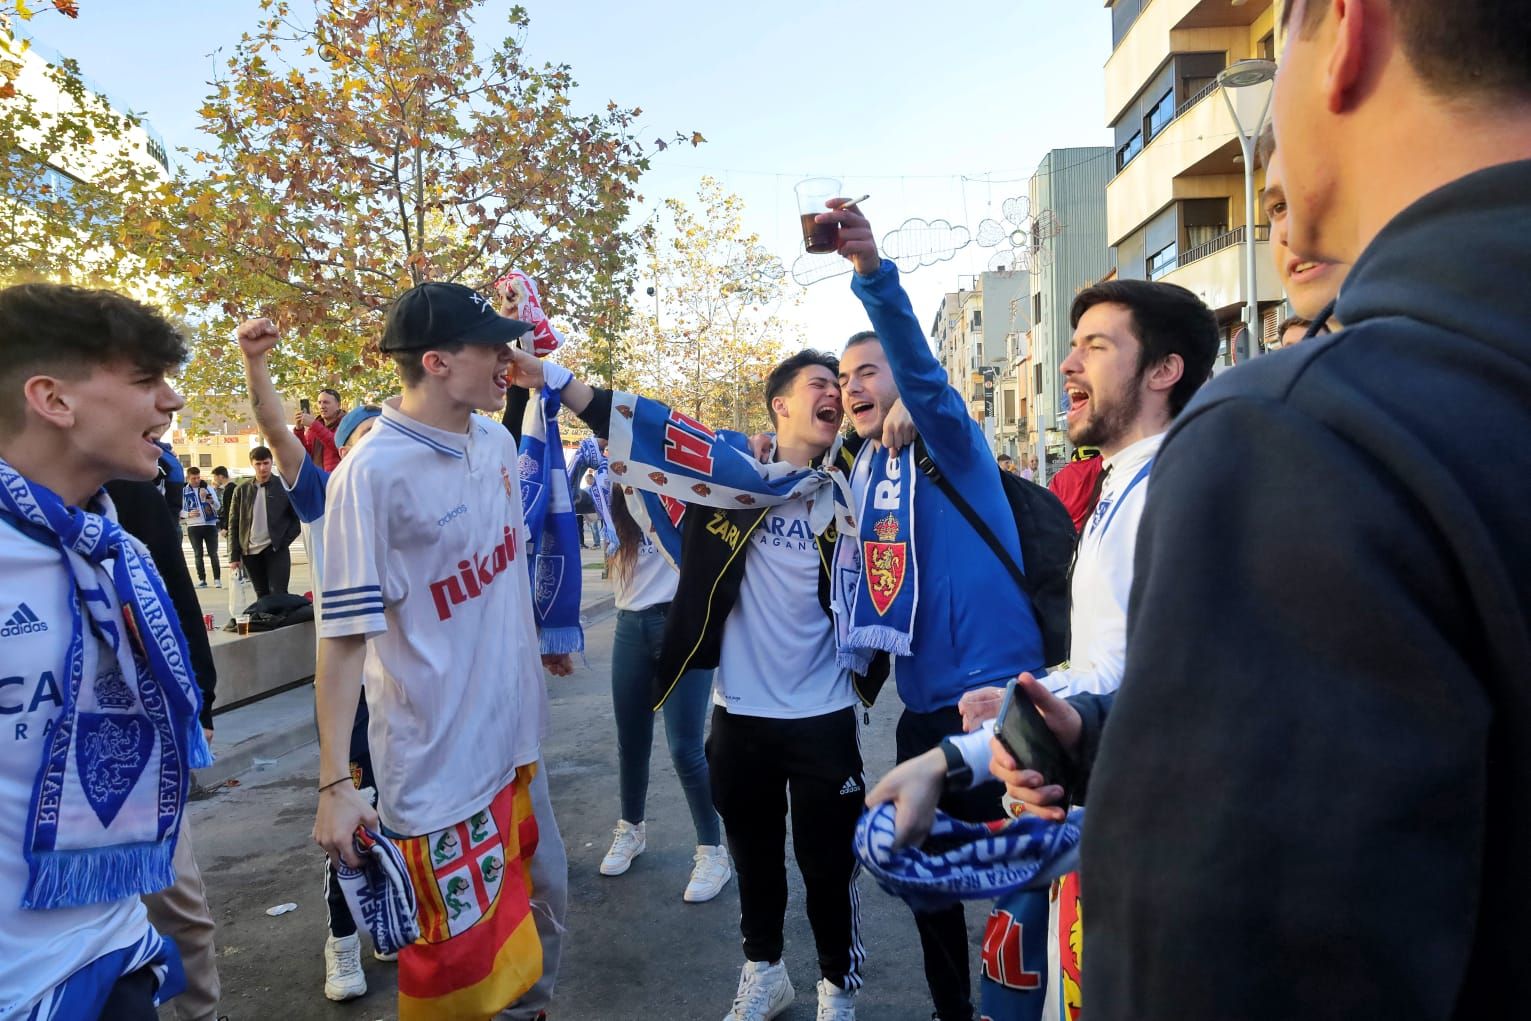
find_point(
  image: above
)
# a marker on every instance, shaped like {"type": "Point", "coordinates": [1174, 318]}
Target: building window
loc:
{"type": "Point", "coordinates": [977, 319]}
{"type": "Point", "coordinates": [185, 460]}
{"type": "Point", "coordinates": [1129, 150]}
{"type": "Point", "coordinates": [204, 460]}
{"type": "Point", "coordinates": [1268, 46]}
{"type": "Point", "coordinates": [1036, 308]}
{"type": "Point", "coordinates": [1158, 118]}
{"type": "Point", "coordinates": [1038, 388]}
{"type": "Point", "coordinates": [1162, 261]}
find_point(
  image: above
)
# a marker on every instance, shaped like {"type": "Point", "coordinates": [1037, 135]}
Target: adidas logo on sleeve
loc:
{"type": "Point", "coordinates": [22, 622]}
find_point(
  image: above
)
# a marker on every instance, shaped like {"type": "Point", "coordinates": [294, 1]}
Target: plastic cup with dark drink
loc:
{"type": "Point", "coordinates": [811, 196]}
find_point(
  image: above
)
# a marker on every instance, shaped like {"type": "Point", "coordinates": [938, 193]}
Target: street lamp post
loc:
{"type": "Point", "coordinates": [1247, 86]}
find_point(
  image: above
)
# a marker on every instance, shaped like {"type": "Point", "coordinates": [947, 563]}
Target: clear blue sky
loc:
{"type": "Point", "coordinates": [900, 100]}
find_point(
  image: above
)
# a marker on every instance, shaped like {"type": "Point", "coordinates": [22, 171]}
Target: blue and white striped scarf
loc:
{"type": "Point", "coordinates": [967, 861]}
{"type": "Point", "coordinates": [380, 893]}
{"type": "Point", "coordinates": [106, 806]}
{"type": "Point", "coordinates": [557, 573]}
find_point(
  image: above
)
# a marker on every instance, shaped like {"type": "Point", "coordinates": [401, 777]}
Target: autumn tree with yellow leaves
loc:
{"type": "Point", "coordinates": [706, 337]}
{"type": "Point", "coordinates": [371, 148]}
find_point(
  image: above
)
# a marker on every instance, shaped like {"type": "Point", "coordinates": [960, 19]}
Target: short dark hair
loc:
{"type": "Point", "coordinates": [861, 338]}
{"type": "Point", "coordinates": [1291, 321]}
{"type": "Point", "coordinates": [68, 332]}
{"type": "Point", "coordinates": [1005, 457]}
{"type": "Point", "coordinates": [193, 470]}
{"type": "Point", "coordinates": [221, 470]}
{"type": "Point", "coordinates": [785, 374]}
{"type": "Point", "coordinates": [1465, 47]}
{"type": "Point", "coordinates": [411, 371]}
{"type": "Point", "coordinates": [1167, 319]}
{"type": "Point", "coordinates": [1265, 146]}
{"type": "Point", "coordinates": [332, 392]}
{"type": "Point", "coordinates": [260, 454]}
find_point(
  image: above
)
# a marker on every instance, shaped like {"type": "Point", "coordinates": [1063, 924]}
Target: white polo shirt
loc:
{"type": "Point", "coordinates": [425, 555]}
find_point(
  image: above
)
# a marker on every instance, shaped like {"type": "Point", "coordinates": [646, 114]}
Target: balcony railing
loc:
{"type": "Point", "coordinates": [1222, 241]}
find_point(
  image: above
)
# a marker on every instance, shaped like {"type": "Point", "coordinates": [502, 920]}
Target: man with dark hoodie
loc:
{"type": "Point", "coordinates": [1313, 797]}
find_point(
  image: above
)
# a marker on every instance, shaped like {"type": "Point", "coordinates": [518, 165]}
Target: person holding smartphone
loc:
{"type": "Point", "coordinates": [200, 506]}
{"type": "Point", "coordinates": [317, 432]}
{"type": "Point", "coordinates": [1140, 351]}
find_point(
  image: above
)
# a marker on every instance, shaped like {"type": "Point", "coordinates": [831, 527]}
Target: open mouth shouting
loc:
{"type": "Point", "coordinates": [1301, 271]}
{"type": "Point", "coordinates": [1079, 401]}
{"type": "Point", "coordinates": [862, 410]}
{"type": "Point", "coordinates": [829, 413]}
{"type": "Point", "coordinates": [502, 380]}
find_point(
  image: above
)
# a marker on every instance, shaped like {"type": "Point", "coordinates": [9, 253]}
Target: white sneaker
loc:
{"type": "Point", "coordinates": [627, 843]}
{"type": "Point", "coordinates": [835, 1004]}
{"type": "Point", "coordinates": [764, 992]}
{"type": "Point", "coordinates": [711, 873]}
{"type": "Point", "coordinates": [385, 958]}
{"type": "Point", "coordinates": [217, 583]}
{"type": "Point", "coordinates": [343, 978]}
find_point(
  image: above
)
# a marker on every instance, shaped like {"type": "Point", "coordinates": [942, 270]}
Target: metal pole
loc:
{"type": "Point", "coordinates": [1251, 291]}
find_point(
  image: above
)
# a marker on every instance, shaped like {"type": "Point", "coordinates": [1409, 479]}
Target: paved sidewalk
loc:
{"type": "Point", "coordinates": [265, 730]}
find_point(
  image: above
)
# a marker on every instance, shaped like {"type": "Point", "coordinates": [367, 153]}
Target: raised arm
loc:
{"type": "Point", "coordinates": [257, 338]}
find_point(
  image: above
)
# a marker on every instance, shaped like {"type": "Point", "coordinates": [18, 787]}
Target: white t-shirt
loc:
{"type": "Point", "coordinates": [778, 656]}
{"type": "Point", "coordinates": [652, 581]}
{"type": "Point", "coordinates": [40, 949]}
{"type": "Point", "coordinates": [425, 555]}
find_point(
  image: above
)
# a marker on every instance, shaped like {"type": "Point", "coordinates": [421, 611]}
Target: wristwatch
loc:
{"type": "Point", "coordinates": [959, 775]}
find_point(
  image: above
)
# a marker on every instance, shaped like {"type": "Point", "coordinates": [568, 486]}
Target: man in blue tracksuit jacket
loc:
{"type": "Point", "coordinates": [973, 627]}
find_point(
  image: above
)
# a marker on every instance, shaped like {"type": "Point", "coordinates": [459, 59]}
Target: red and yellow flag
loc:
{"type": "Point", "coordinates": [478, 949]}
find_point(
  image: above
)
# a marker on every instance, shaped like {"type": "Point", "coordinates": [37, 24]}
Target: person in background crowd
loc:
{"type": "Point", "coordinates": [645, 585]}
{"type": "Point", "coordinates": [1077, 484]}
{"type": "Point", "coordinates": [1320, 805]}
{"type": "Point", "coordinates": [221, 490]}
{"type": "Point", "coordinates": [1006, 463]}
{"type": "Point", "coordinates": [262, 525]}
{"type": "Point", "coordinates": [317, 432]}
{"type": "Point", "coordinates": [1293, 330]}
{"type": "Point", "coordinates": [200, 507]}
{"type": "Point", "coordinates": [171, 481]}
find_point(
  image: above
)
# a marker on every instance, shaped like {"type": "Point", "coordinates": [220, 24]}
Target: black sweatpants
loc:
{"type": "Point", "coordinates": [755, 763]}
{"type": "Point", "coordinates": [944, 934]}
{"type": "Point", "coordinates": [269, 570]}
{"type": "Point", "coordinates": [204, 538]}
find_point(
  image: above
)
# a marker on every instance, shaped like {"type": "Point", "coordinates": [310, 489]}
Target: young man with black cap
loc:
{"type": "Point", "coordinates": [425, 593]}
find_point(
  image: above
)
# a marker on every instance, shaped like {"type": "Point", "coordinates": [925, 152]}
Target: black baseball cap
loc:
{"type": "Point", "coordinates": [436, 314]}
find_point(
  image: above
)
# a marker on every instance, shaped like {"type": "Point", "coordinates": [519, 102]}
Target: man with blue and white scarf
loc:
{"type": "Point", "coordinates": [101, 709]}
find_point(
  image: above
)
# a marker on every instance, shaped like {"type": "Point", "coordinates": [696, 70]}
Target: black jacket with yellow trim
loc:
{"type": "Point", "coordinates": [713, 547]}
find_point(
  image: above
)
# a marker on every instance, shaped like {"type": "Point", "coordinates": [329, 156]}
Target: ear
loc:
{"type": "Point", "coordinates": [779, 405]}
{"type": "Point", "coordinates": [1165, 373]}
{"type": "Point", "coordinates": [50, 400]}
{"type": "Point", "coordinates": [434, 364]}
{"type": "Point", "coordinates": [1349, 55]}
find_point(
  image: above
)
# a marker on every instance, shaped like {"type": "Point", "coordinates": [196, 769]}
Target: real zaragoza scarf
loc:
{"type": "Point", "coordinates": [106, 806]}
{"type": "Point", "coordinates": [887, 587]}
{"type": "Point", "coordinates": [478, 949]}
{"type": "Point", "coordinates": [379, 894]}
{"type": "Point", "coordinates": [662, 451]}
{"type": "Point", "coordinates": [553, 526]}
{"type": "Point", "coordinates": [588, 457]}
{"type": "Point", "coordinates": [976, 861]}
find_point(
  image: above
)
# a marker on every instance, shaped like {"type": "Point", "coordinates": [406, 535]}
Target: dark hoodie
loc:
{"type": "Point", "coordinates": [1313, 797]}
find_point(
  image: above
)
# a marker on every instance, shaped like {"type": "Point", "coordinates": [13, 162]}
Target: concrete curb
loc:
{"type": "Point", "coordinates": [245, 755]}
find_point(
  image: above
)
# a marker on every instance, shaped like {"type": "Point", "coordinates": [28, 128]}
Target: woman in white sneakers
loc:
{"type": "Point", "coordinates": [645, 584]}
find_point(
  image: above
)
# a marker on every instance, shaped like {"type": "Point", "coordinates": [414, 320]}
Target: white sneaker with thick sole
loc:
{"type": "Point", "coordinates": [835, 1004]}
{"type": "Point", "coordinates": [628, 842]}
{"type": "Point", "coordinates": [343, 978]}
{"type": "Point", "coordinates": [710, 874]}
{"type": "Point", "coordinates": [764, 992]}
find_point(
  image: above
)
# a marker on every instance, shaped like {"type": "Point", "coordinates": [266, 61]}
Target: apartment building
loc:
{"type": "Point", "coordinates": [971, 336]}
{"type": "Point", "coordinates": [1175, 201]}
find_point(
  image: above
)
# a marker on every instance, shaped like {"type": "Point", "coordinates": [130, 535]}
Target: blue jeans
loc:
{"type": "Point", "coordinates": [634, 656]}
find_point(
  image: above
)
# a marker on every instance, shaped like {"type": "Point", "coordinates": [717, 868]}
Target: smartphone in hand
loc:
{"type": "Point", "coordinates": [304, 406]}
{"type": "Point", "coordinates": [1025, 735]}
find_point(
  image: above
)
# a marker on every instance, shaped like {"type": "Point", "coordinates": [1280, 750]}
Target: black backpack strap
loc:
{"type": "Point", "coordinates": [927, 467]}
